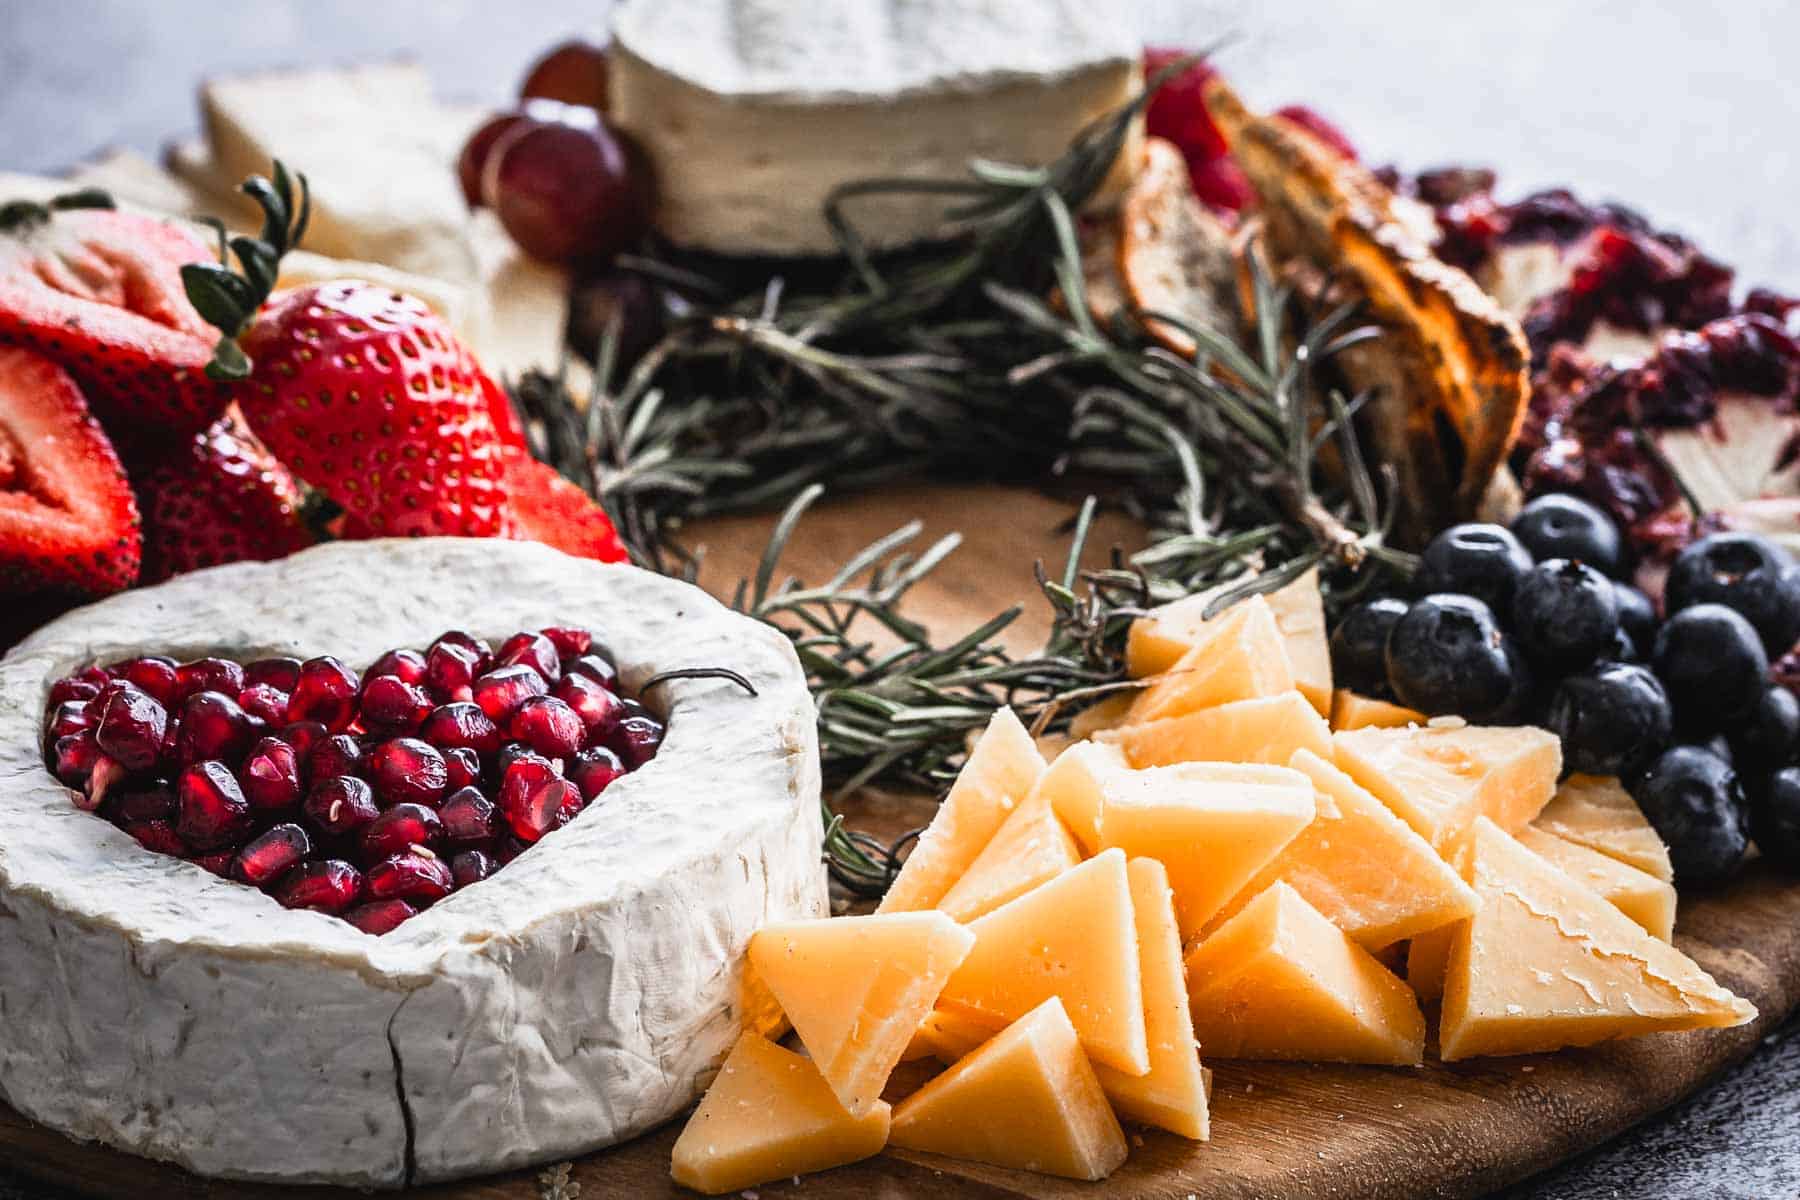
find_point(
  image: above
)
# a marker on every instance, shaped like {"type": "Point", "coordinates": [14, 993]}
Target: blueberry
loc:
{"type": "Point", "coordinates": [1637, 616]}
{"type": "Point", "coordinates": [1775, 819]}
{"type": "Point", "coordinates": [1480, 560]}
{"type": "Point", "coordinates": [1562, 526]}
{"type": "Point", "coordinates": [1359, 645]}
{"type": "Point", "coordinates": [1770, 738]}
{"type": "Point", "coordinates": [1623, 649]}
{"type": "Point", "coordinates": [1745, 572]}
{"type": "Point", "coordinates": [1447, 655]}
{"type": "Point", "coordinates": [1610, 719]}
{"type": "Point", "coordinates": [1719, 746]}
{"type": "Point", "coordinates": [1697, 806]}
{"type": "Point", "coordinates": [1565, 614]}
{"type": "Point", "coordinates": [1712, 663]}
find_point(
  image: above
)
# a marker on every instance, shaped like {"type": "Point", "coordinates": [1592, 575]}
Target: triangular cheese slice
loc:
{"type": "Point", "coordinates": [1427, 955]}
{"type": "Point", "coordinates": [1547, 963]}
{"type": "Point", "coordinates": [1600, 814]}
{"type": "Point", "coordinates": [1300, 615]}
{"type": "Point", "coordinates": [1361, 866]}
{"type": "Point", "coordinates": [1173, 1095]}
{"type": "Point", "coordinates": [1213, 825]}
{"type": "Point", "coordinates": [1163, 635]}
{"type": "Point", "coordinates": [1072, 785]}
{"type": "Point", "coordinates": [770, 1115]}
{"type": "Point", "coordinates": [947, 1034]}
{"type": "Point", "coordinates": [1442, 776]}
{"type": "Point", "coordinates": [1102, 714]}
{"type": "Point", "coordinates": [857, 987]}
{"type": "Point", "coordinates": [1026, 1099]}
{"type": "Point", "coordinates": [1638, 894]}
{"type": "Point", "coordinates": [1352, 711]}
{"type": "Point", "coordinates": [1240, 656]}
{"type": "Point", "coordinates": [1030, 847]}
{"type": "Point", "coordinates": [1074, 937]}
{"type": "Point", "coordinates": [1279, 981]}
{"type": "Point", "coordinates": [999, 771]}
{"type": "Point", "coordinates": [1268, 730]}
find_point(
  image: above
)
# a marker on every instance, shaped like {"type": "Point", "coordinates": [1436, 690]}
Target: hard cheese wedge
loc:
{"type": "Point", "coordinates": [1173, 1094]}
{"type": "Point", "coordinates": [1072, 786]}
{"type": "Point", "coordinates": [1440, 777]}
{"type": "Point", "coordinates": [770, 1115]}
{"type": "Point", "coordinates": [1027, 1099]}
{"type": "Point", "coordinates": [1351, 711]}
{"type": "Point", "coordinates": [1547, 963]}
{"type": "Point", "coordinates": [1300, 615]}
{"type": "Point", "coordinates": [1074, 938]}
{"type": "Point", "coordinates": [1102, 714]}
{"type": "Point", "coordinates": [1601, 815]}
{"type": "Point", "coordinates": [1239, 656]}
{"type": "Point", "coordinates": [1361, 866]}
{"type": "Point", "coordinates": [947, 1034]}
{"type": "Point", "coordinates": [999, 772]}
{"type": "Point", "coordinates": [1030, 847]}
{"type": "Point", "coordinates": [1639, 895]}
{"type": "Point", "coordinates": [1268, 730]}
{"type": "Point", "coordinates": [856, 989]}
{"type": "Point", "coordinates": [1213, 825]}
{"type": "Point", "coordinates": [1279, 981]}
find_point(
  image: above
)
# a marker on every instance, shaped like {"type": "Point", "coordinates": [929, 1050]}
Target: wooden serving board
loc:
{"type": "Point", "coordinates": [1351, 1133]}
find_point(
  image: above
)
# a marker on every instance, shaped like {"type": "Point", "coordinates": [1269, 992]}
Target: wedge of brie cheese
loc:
{"type": "Point", "coordinates": [579, 998]}
{"type": "Point", "coordinates": [751, 111]}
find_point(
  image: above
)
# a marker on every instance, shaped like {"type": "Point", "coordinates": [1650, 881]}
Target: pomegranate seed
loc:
{"type": "Point", "coordinates": [155, 675]}
{"type": "Point", "coordinates": [466, 816]}
{"type": "Point", "coordinates": [570, 808]}
{"type": "Point", "coordinates": [71, 716]}
{"type": "Point", "coordinates": [400, 828]}
{"type": "Point", "coordinates": [325, 692]}
{"type": "Point", "coordinates": [70, 688]}
{"type": "Point", "coordinates": [271, 776]}
{"type": "Point", "coordinates": [594, 770]}
{"type": "Point", "coordinates": [636, 740]}
{"type": "Point", "coordinates": [340, 805]}
{"type": "Point", "coordinates": [271, 854]}
{"type": "Point", "coordinates": [501, 691]}
{"type": "Point", "coordinates": [209, 675]}
{"type": "Point", "coordinates": [548, 726]}
{"type": "Point", "coordinates": [213, 726]}
{"type": "Point", "coordinates": [408, 770]}
{"type": "Point", "coordinates": [569, 642]}
{"type": "Point", "coordinates": [513, 751]}
{"type": "Point", "coordinates": [157, 836]}
{"type": "Point", "coordinates": [462, 768]}
{"type": "Point", "coordinates": [219, 864]}
{"type": "Point", "coordinates": [461, 724]}
{"type": "Point", "coordinates": [593, 667]}
{"type": "Point", "coordinates": [532, 650]}
{"type": "Point", "coordinates": [265, 702]}
{"type": "Point", "coordinates": [450, 671]}
{"type": "Point", "coordinates": [155, 803]}
{"type": "Point", "coordinates": [508, 848]}
{"type": "Point", "coordinates": [211, 812]}
{"type": "Point", "coordinates": [279, 673]}
{"type": "Point", "coordinates": [95, 674]}
{"type": "Point", "coordinates": [472, 866]}
{"type": "Point", "coordinates": [107, 774]}
{"type": "Point", "coordinates": [406, 665]}
{"type": "Point", "coordinates": [131, 727]}
{"type": "Point", "coordinates": [393, 705]}
{"type": "Point", "coordinates": [597, 707]}
{"type": "Point", "coordinates": [484, 654]}
{"type": "Point", "coordinates": [531, 795]}
{"type": "Point", "coordinates": [337, 755]}
{"type": "Point", "coordinates": [75, 758]}
{"type": "Point", "coordinates": [415, 874]}
{"type": "Point", "coordinates": [330, 886]}
{"type": "Point", "coordinates": [303, 736]}
{"type": "Point", "coordinates": [381, 916]}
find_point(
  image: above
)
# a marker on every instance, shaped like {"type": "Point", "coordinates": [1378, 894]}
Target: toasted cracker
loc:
{"type": "Point", "coordinates": [1174, 256]}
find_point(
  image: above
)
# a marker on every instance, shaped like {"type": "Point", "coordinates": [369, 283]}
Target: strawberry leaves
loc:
{"type": "Point", "coordinates": [230, 299]}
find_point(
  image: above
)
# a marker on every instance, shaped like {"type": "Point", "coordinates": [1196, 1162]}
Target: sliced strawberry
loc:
{"type": "Point", "coordinates": [219, 498]}
{"type": "Point", "coordinates": [100, 292]}
{"type": "Point", "coordinates": [68, 522]}
{"type": "Point", "coordinates": [548, 508]}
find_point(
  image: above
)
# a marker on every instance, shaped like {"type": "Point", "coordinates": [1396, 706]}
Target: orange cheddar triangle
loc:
{"type": "Point", "coordinates": [1072, 786]}
{"type": "Point", "coordinates": [1361, 866]}
{"type": "Point", "coordinates": [1213, 825]}
{"type": "Point", "coordinates": [1441, 776]}
{"type": "Point", "coordinates": [1031, 846]}
{"type": "Point", "coordinates": [1547, 963]}
{"type": "Point", "coordinates": [856, 988]}
{"type": "Point", "coordinates": [1638, 894]}
{"type": "Point", "coordinates": [1074, 938]}
{"type": "Point", "coordinates": [1601, 815]}
{"type": "Point", "coordinates": [1352, 711]}
{"type": "Point", "coordinates": [999, 772]}
{"type": "Point", "coordinates": [1240, 656]}
{"type": "Point", "coordinates": [1173, 1094]}
{"type": "Point", "coordinates": [1267, 730]}
{"type": "Point", "coordinates": [1026, 1099]}
{"type": "Point", "coordinates": [770, 1115]}
{"type": "Point", "coordinates": [1160, 637]}
{"type": "Point", "coordinates": [1279, 981]}
{"type": "Point", "coordinates": [1300, 615]}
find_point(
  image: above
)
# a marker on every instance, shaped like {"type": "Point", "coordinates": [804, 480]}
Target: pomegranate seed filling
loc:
{"type": "Point", "coordinates": [367, 796]}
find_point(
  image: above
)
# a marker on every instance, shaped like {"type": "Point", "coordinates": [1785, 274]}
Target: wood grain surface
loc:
{"type": "Point", "coordinates": [1351, 1133]}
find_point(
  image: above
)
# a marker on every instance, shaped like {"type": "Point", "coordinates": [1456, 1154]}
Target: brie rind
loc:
{"type": "Point", "coordinates": [580, 997]}
{"type": "Point", "coordinates": [751, 111]}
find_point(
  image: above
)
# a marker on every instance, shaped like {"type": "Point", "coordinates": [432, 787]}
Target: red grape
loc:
{"type": "Point", "coordinates": [473, 159]}
{"type": "Point", "coordinates": [573, 72]}
{"type": "Point", "coordinates": [565, 193]}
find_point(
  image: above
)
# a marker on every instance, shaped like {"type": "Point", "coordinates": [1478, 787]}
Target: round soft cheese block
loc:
{"type": "Point", "coordinates": [580, 997]}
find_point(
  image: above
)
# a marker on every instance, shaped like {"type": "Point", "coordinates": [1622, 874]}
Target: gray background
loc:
{"type": "Point", "coordinates": [1685, 110]}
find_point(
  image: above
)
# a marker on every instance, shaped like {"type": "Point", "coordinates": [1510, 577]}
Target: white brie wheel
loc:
{"type": "Point", "coordinates": [581, 996]}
